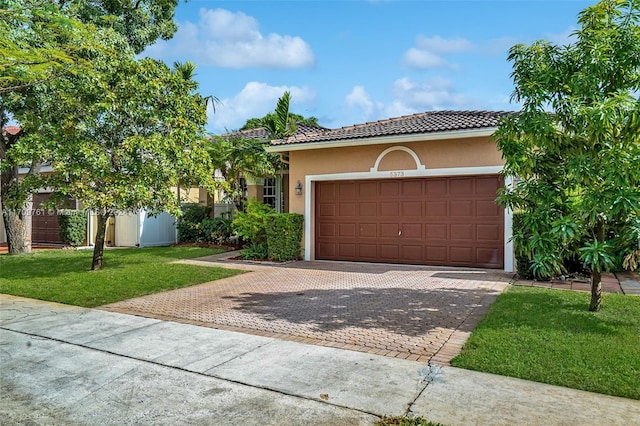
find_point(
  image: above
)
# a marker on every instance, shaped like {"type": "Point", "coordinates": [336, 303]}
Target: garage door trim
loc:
{"type": "Point", "coordinates": [443, 172]}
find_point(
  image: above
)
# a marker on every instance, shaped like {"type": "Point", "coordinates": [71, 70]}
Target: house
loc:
{"type": "Point", "coordinates": [124, 230]}
{"type": "Point", "coordinates": [417, 189]}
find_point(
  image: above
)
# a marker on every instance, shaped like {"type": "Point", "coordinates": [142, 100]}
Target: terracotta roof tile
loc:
{"type": "Point", "coordinates": [12, 130]}
{"type": "Point", "coordinates": [426, 122]}
{"type": "Point", "coordinates": [260, 132]}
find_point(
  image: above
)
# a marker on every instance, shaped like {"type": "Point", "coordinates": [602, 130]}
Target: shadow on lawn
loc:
{"type": "Point", "coordinates": [398, 310]}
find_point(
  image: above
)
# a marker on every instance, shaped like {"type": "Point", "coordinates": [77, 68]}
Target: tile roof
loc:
{"type": "Point", "coordinates": [12, 130]}
{"type": "Point", "coordinates": [261, 133]}
{"type": "Point", "coordinates": [426, 122]}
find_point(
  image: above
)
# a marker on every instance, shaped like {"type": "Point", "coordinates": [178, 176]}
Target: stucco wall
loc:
{"type": "Point", "coordinates": [452, 153]}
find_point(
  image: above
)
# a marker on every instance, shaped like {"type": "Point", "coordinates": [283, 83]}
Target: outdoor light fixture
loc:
{"type": "Point", "coordinates": [299, 188]}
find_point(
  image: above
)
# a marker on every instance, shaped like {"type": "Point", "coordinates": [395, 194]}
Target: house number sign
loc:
{"type": "Point", "coordinates": [396, 174]}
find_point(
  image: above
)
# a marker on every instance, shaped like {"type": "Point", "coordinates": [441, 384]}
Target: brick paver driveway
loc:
{"type": "Point", "coordinates": [413, 312]}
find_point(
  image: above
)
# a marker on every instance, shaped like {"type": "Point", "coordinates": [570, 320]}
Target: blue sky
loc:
{"type": "Point", "coordinates": [349, 62]}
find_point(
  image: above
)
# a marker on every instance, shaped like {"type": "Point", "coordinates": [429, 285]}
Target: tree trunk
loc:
{"type": "Point", "coordinates": [18, 238]}
{"type": "Point", "coordinates": [596, 276]}
{"type": "Point", "coordinates": [98, 249]}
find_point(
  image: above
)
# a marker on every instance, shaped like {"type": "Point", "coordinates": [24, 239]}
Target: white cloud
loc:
{"type": "Point", "coordinates": [423, 59]}
{"type": "Point", "coordinates": [428, 51]}
{"type": "Point", "coordinates": [409, 97]}
{"type": "Point", "coordinates": [255, 100]}
{"type": "Point", "coordinates": [233, 40]}
{"type": "Point", "coordinates": [443, 45]}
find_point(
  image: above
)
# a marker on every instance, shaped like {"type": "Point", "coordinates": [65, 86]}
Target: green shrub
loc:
{"type": "Point", "coordinates": [284, 233]}
{"type": "Point", "coordinates": [189, 224]}
{"type": "Point", "coordinates": [73, 226]}
{"type": "Point", "coordinates": [251, 226]}
{"type": "Point", "coordinates": [255, 251]}
{"type": "Point", "coordinates": [217, 230]}
{"type": "Point", "coordinates": [523, 261]}
{"type": "Point", "coordinates": [195, 213]}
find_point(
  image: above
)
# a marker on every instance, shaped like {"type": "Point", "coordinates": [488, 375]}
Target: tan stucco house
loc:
{"type": "Point", "coordinates": [417, 189]}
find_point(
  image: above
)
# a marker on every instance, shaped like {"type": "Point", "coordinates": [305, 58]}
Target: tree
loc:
{"type": "Point", "coordinates": [575, 146]}
{"type": "Point", "coordinates": [42, 43]}
{"type": "Point", "coordinates": [137, 131]}
{"type": "Point", "coordinates": [281, 119]}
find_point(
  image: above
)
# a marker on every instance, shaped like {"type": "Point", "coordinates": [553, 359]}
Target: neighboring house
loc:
{"type": "Point", "coordinates": [126, 230]}
{"type": "Point", "coordinates": [417, 189]}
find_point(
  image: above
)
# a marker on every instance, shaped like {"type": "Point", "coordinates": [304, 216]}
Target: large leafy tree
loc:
{"type": "Point", "coordinates": [133, 135]}
{"type": "Point", "coordinates": [47, 45]}
{"type": "Point", "coordinates": [575, 146]}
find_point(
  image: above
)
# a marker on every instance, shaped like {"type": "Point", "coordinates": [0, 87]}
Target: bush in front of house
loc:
{"type": "Point", "coordinates": [523, 261]}
{"type": "Point", "coordinates": [251, 226]}
{"type": "Point", "coordinates": [217, 230]}
{"type": "Point", "coordinates": [189, 224]}
{"type": "Point", "coordinates": [73, 226]}
{"type": "Point", "coordinates": [284, 233]}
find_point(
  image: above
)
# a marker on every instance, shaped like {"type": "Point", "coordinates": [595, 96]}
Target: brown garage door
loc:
{"type": "Point", "coordinates": [430, 221]}
{"type": "Point", "coordinates": [45, 227]}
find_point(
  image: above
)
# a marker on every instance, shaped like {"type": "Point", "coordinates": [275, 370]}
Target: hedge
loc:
{"type": "Point", "coordinates": [73, 226]}
{"type": "Point", "coordinates": [284, 234]}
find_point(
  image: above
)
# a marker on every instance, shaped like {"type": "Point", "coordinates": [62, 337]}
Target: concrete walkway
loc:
{"type": "Point", "coordinates": [67, 365]}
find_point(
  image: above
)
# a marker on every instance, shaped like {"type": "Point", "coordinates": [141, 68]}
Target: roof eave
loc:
{"type": "Point", "coordinates": [378, 140]}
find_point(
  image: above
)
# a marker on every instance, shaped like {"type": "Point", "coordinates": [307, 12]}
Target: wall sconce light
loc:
{"type": "Point", "coordinates": [299, 188]}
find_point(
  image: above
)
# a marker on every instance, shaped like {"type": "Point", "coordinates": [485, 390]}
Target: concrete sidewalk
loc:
{"type": "Point", "coordinates": [67, 365]}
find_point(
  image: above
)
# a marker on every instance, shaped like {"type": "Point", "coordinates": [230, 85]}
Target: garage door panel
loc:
{"type": "Point", "coordinates": [488, 233]}
{"type": "Point", "coordinates": [462, 232]}
{"type": "Point", "coordinates": [347, 190]}
{"type": "Point", "coordinates": [390, 252]}
{"type": "Point", "coordinates": [368, 209]}
{"type": "Point", "coordinates": [326, 251]}
{"type": "Point", "coordinates": [347, 230]}
{"type": "Point", "coordinates": [435, 221]}
{"type": "Point", "coordinates": [367, 189]}
{"type": "Point", "coordinates": [411, 188]}
{"type": "Point", "coordinates": [411, 231]}
{"type": "Point", "coordinates": [412, 253]}
{"type": "Point", "coordinates": [487, 208]}
{"type": "Point", "coordinates": [389, 230]}
{"type": "Point", "coordinates": [327, 230]}
{"type": "Point", "coordinates": [368, 251]}
{"type": "Point", "coordinates": [347, 250]}
{"type": "Point", "coordinates": [45, 227]}
{"type": "Point", "coordinates": [461, 208]}
{"type": "Point", "coordinates": [389, 209]}
{"type": "Point", "coordinates": [368, 230]}
{"type": "Point", "coordinates": [347, 209]}
{"type": "Point", "coordinates": [411, 208]}
{"type": "Point", "coordinates": [461, 255]}
{"type": "Point", "coordinates": [436, 254]}
{"type": "Point", "coordinates": [436, 231]}
{"type": "Point", "coordinates": [489, 257]}
{"type": "Point", "coordinates": [327, 210]}
{"type": "Point", "coordinates": [436, 208]}
{"type": "Point", "coordinates": [436, 187]}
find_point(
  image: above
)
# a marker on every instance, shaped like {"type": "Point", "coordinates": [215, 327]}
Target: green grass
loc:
{"type": "Point", "coordinates": [549, 336]}
{"type": "Point", "coordinates": [64, 275]}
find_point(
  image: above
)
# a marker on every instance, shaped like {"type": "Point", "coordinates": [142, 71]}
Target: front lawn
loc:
{"type": "Point", "coordinates": [549, 336]}
{"type": "Point", "coordinates": [64, 275]}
